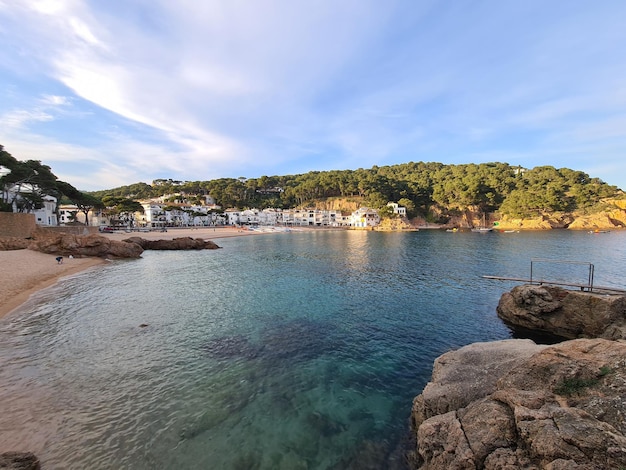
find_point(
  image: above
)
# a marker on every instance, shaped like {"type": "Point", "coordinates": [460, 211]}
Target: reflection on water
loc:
{"type": "Point", "coordinates": [298, 350]}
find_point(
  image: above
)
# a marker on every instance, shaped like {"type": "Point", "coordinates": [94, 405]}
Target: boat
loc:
{"type": "Point", "coordinates": [452, 229]}
{"type": "Point", "coordinates": [483, 228]}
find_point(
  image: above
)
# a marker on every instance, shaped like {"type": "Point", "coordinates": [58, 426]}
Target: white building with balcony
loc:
{"type": "Point", "coordinates": [364, 218]}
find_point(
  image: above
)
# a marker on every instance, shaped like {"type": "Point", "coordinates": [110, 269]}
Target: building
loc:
{"type": "Point", "coordinates": [398, 210]}
{"type": "Point", "coordinates": [45, 215]}
{"type": "Point", "coordinates": [364, 218]}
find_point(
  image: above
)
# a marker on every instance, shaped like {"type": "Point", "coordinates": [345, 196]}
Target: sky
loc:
{"type": "Point", "coordinates": [115, 92]}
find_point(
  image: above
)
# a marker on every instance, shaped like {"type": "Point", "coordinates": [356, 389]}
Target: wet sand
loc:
{"type": "Point", "coordinates": [24, 272]}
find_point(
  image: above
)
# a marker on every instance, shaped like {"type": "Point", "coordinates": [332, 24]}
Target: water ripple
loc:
{"type": "Point", "coordinates": [299, 350]}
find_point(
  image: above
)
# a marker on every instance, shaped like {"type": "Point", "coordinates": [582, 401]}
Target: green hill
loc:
{"type": "Point", "coordinates": [433, 191]}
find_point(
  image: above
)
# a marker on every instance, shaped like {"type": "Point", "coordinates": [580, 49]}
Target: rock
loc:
{"type": "Point", "coordinates": [13, 243]}
{"type": "Point", "coordinates": [66, 244]}
{"type": "Point", "coordinates": [565, 313]}
{"type": "Point", "coordinates": [551, 407]}
{"type": "Point", "coordinates": [606, 220]}
{"type": "Point", "coordinates": [468, 374]}
{"type": "Point", "coordinates": [19, 461]}
{"type": "Point", "coordinates": [395, 225]}
{"type": "Point", "coordinates": [182, 243]}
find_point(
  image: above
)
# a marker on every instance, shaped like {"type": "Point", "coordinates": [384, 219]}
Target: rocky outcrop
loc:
{"type": "Point", "coordinates": [19, 461]}
{"type": "Point", "coordinates": [395, 225]}
{"type": "Point", "coordinates": [66, 244]}
{"type": "Point", "coordinates": [514, 404]}
{"type": "Point", "coordinates": [13, 243]}
{"type": "Point", "coordinates": [548, 221]}
{"type": "Point", "coordinates": [566, 313]}
{"type": "Point", "coordinates": [603, 221]}
{"type": "Point", "coordinates": [182, 243]}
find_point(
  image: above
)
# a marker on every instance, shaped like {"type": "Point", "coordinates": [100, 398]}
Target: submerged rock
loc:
{"type": "Point", "coordinates": [19, 461]}
{"type": "Point", "coordinates": [230, 347]}
{"type": "Point", "coordinates": [566, 313]}
{"type": "Point", "coordinates": [541, 407]}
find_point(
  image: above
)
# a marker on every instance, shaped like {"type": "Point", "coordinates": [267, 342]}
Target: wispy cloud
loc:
{"type": "Point", "coordinates": [132, 90]}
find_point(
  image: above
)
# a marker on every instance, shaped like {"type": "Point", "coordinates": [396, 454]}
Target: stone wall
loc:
{"type": "Point", "coordinates": [72, 229]}
{"type": "Point", "coordinates": [17, 225]}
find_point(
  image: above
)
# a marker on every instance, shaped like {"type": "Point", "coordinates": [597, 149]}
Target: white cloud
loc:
{"type": "Point", "coordinates": [230, 87]}
{"type": "Point", "coordinates": [21, 118]}
{"type": "Point", "coordinates": [55, 100]}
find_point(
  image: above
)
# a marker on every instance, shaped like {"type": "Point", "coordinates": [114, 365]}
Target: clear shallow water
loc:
{"type": "Point", "coordinates": [285, 351]}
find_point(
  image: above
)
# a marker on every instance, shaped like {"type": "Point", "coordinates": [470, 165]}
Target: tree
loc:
{"type": "Point", "coordinates": [84, 201]}
{"type": "Point", "coordinates": [122, 207]}
{"type": "Point", "coordinates": [25, 183]}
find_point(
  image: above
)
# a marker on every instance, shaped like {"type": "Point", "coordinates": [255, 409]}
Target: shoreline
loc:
{"type": "Point", "coordinates": [28, 272]}
{"type": "Point", "coordinates": [33, 271]}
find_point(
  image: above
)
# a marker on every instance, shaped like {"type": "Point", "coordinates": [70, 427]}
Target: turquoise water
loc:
{"type": "Point", "coordinates": [282, 351]}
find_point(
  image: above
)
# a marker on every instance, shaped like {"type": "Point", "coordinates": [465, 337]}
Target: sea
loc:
{"type": "Point", "coordinates": [295, 350]}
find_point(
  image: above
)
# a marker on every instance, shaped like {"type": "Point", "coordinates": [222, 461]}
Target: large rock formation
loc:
{"type": "Point", "coordinates": [13, 243]}
{"type": "Point", "coordinates": [182, 243]}
{"type": "Point", "coordinates": [66, 244]}
{"type": "Point", "coordinates": [566, 313]}
{"type": "Point", "coordinates": [514, 404]}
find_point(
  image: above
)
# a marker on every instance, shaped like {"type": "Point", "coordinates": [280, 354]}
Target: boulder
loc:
{"type": "Point", "coordinates": [66, 244]}
{"type": "Point", "coordinates": [468, 374]}
{"type": "Point", "coordinates": [566, 313]}
{"type": "Point", "coordinates": [182, 243]}
{"type": "Point", "coordinates": [551, 407]}
{"type": "Point", "coordinates": [13, 243]}
{"type": "Point", "coordinates": [19, 461]}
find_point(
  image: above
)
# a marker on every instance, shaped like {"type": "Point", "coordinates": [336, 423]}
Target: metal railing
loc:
{"type": "Point", "coordinates": [588, 285]}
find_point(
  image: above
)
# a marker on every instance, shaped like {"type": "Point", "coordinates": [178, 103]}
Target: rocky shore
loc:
{"type": "Point", "coordinates": [67, 244]}
{"type": "Point", "coordinates": [517, 404]}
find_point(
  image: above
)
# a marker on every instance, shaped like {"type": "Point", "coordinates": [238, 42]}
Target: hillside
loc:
{"type": "Point", "coordinates": [452, 195]}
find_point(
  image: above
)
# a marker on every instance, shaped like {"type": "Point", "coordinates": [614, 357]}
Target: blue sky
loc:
{"type": "Point", "coordinates": [115, 92]}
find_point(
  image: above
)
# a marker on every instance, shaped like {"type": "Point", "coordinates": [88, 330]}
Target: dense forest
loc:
{"type": "Point", "coordinates": [488, 187]}
{"type": "Point", "coordinates": [431, 190]}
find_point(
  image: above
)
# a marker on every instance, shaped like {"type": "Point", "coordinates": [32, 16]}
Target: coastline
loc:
{"type": "Point", "coordinates": [30, 271]}
{"type": "Point", "coordinates": [27, 272]}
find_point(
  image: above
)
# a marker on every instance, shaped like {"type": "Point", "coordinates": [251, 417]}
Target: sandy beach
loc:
{"type": "Point", "coordinates": [26, 272]}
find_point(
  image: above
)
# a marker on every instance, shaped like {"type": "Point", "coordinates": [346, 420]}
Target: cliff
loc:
{"type": "Point", "coordinates": [514, 404]}
{"type": "Point", "coordinates": [612, 216]}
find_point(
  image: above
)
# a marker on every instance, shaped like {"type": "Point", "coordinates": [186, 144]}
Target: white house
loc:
{"type": "Point", "coordinates": [399, 210]}
{"type": "Point", "coordinates": [47, 214]}
{"type": "Point", "coordinates": [68, 213]}
{"type": "Point", "coordinates": [365, 217]}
